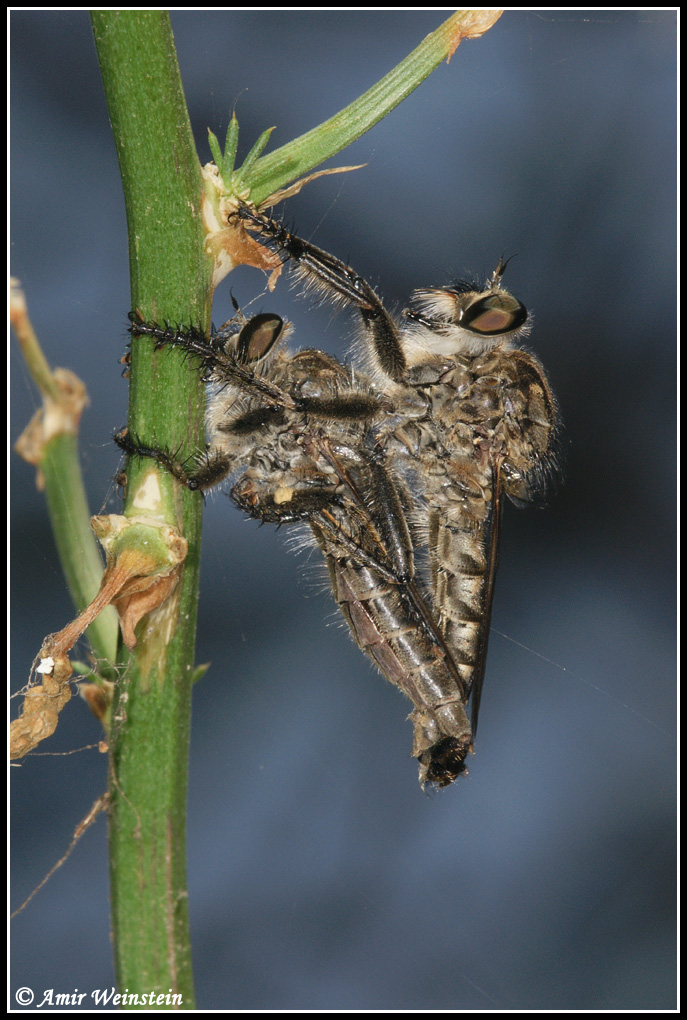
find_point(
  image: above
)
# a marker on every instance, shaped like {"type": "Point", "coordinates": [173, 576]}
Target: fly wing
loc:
{"type": "Point", "coordinates": [490, 539]}
{"type": "Point", "coordinates": [368, 549]}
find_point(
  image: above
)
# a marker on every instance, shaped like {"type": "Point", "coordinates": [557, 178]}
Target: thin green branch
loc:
{"type": "Point", "coordinates": [50, 442]}
{"type": "Point", "coordinates": [76, 546]}
{"type": "Point", "coordinates": [268, 174]}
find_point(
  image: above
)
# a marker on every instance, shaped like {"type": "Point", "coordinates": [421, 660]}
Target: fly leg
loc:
{"type": "Point", "coordinates": [197, 473]}
{"type": "Point", "coordinates": [323, 271]}
{"type": "Point", "coordinates": [225, 356]}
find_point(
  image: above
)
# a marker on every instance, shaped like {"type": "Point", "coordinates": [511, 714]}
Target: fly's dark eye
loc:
{"type": "Point", "coordinates": [494, 314]}
{"type": "Point", "coordinates": [258, 336]}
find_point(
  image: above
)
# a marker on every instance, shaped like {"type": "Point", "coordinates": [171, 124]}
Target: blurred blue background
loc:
{"type": "Point", "coordinates": [320, 876]}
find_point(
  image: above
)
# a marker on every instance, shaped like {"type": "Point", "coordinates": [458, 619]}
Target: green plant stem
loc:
{"type": "Point", "coordinates": [77, 548]}
{"type": "Point", "coordinates": [52, 437]}
{"type": "Point", "coordinates": [170, 281]}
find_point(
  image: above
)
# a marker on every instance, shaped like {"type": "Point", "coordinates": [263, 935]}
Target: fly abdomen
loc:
{"type": "Point", "coordinates": [387, 622]}
{"type": "Point", "coordinates": [461, 572]}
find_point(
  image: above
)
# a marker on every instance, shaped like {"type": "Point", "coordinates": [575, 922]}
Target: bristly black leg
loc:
{"type": "Point", "coordinates": [209, 469]}
{"type": "Point", "coordinates": [320, 268]}
{"type": "Point", "coordinates": [215, 362]}
{"type": "Point", "coordinates": [316, 507]}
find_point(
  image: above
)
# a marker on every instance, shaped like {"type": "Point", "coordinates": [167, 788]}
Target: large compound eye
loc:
{"type": "Point", "coordinates": [258, 337]}
{"type": "Point", "coordinates": [494, 314]}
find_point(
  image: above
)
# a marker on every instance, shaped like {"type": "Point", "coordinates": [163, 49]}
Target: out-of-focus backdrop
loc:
{"type": "Point", "coordinates": [320, 876]}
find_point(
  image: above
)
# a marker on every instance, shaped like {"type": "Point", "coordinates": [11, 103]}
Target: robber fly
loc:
{"type": "Point", "coordinates": [412, 454]}
{"type": "Point", "coordinates": [474, 418]}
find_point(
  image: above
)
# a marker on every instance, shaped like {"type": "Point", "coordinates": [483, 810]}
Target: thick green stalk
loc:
{"type": "Point", "coordinates": [170, 281]}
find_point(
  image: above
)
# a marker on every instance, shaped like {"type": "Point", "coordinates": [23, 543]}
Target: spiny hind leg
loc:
{"type": "Point", "coordinates": [197, 473]}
